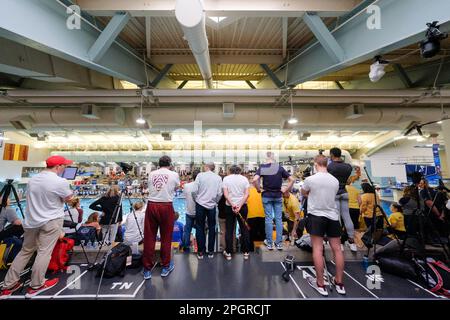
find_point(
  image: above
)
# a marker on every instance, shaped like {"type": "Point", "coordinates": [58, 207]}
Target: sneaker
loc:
{"type": "Point", "coordinates": [353, 246]}
{"type": "Point", "coordinates": [47, 285]}
{"type": "Point", "coordinates": [339, 286]}
{"type": "Point", "coordinates": [313, 283]}
{"type": "Point", "coordinates": [147, 274]}
{"type": "Point", "coordinates": [166, 270]}
{"type": "Point", "coordinates": [6, 293]}
{"type": "Point", "coordinates": [200, 256]}
{"type": "Point", "coordinates": [279, 246]}
{"type": "Point", "coordinates": [342, 247]}
{"type": "Point", "coordinates": [246, 256]}
{"type": "Point", "coordinates": [210, 255]}
{"type": "Point", "coordinates": [268, 245]}
{"type": "Point", "coordinates": [227, 255]}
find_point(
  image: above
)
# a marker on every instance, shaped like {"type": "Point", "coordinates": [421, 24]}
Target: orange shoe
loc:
{"type": "Point", "coordinates": [6, 293]}
{"type": "Point", "coordinates": [47, 285]}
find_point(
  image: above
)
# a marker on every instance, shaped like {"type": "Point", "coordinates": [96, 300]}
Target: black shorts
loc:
{"type": "Point", "coordinates": [321, 227]}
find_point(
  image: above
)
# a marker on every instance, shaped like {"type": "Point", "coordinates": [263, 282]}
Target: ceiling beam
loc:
{"type": "Point", "coordinates": [108, 35]}
{"type": "Point", "coordinates": [324, 36]}
{"type": "Point", "coordinates": [284, 27]}
{"type": "Point", "coordinates": [401, 73]}
{"type": "Point", "coordinates": [228, 8]}
{"type": "Point", "coordinates": [42, 25]}
{"type": "Point", "coordinates": [217, 59]}
{"type": "Point", "coordinates": [148, 36]}
{"type": "Point", "coordinates": [272, 76]}
{"type": "Point", "coordinates": [362, 44]}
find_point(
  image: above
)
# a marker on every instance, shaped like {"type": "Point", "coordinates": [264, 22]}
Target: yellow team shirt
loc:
{"type": "Point", "coordinates": [397, 220]}
{"type": "Point", "coordinates": [291, 206]}
{"type": "Point", "coordinates": [353, 194]}
{"type": "Point", "coordinates": [254, 204]}
{"type": "Point", "coordinates": [368, 204]}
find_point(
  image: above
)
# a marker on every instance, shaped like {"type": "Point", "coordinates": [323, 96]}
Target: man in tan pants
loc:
{"type": "Point", "coordinates": [44, 216]}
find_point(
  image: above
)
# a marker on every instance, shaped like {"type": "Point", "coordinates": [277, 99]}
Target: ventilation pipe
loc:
{"type": "Point", "coordinates": [191, 16]}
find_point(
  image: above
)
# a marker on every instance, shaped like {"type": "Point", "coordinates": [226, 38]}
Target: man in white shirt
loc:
{"type": "Point", "coordinates": [43, 225]}
{"type": "Point", "coordinates": [235, 189]}
{"type": "Point", "coordinates": [323, 220]}
{"type": "Point", "coordinates": [162, 184]}
{"type": "Point", "coordinates": [209, 192]}
{"type": "Point", "coordinates": [189, 189]}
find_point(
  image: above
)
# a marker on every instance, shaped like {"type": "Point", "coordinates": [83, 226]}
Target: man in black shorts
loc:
{"type": "Point", "coordinates": [323, 220]}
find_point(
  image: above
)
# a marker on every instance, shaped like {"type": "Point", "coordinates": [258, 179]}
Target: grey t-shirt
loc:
{"type": "Point", "coordinates": [7, 215]}
{"type": "Point", "coordinates": [322, 188]}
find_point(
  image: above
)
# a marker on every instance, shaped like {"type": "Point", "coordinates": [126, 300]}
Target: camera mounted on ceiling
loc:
{"type": "Point", "coordinates": [432, 44]}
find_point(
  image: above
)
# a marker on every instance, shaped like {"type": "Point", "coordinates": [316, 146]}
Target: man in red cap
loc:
{"type": "Point", "coordinates": [44, 215]}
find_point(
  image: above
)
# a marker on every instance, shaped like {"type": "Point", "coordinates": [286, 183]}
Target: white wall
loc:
{"type": "Point", "coordinates": [390, 161]}
{"type": "Point", "coordinates": [13, 169]}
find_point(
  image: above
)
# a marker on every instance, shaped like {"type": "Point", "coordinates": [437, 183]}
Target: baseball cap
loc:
{"type": "Point", "coordinates": [57, 161]}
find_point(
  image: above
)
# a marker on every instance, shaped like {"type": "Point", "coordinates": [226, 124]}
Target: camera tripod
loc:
{"type": "Point", "coordinates": [373, 225]}
{"type": "Point", "coordinates": [113, 220]}
{"type": "Point", "coordinates": [6, 192]}
{"type": "Point", "coordinates": [421, 220]}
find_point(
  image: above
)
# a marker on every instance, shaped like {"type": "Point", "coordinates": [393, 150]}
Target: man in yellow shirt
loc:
{"type": "Point", "coordinates": [255, 217]}
{"type": "Point", "coordinates": [291, 209]}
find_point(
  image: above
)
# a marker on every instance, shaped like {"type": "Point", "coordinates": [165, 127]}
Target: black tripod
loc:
{"type": "Point", "coordinates": [113, 220]}
{"type": "Point", "coordinates": [6, 192]}
{"type": "Point", "coordinates": [373, 225]}
{"type": "Point", "coordinates": [421, 218]}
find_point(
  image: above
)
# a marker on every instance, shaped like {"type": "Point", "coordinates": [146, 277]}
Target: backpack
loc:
{"type": "Point", "coordinates": [61, 255]}
{"type": "Point", "coordinates": [438, 276]}
{"type": "Point", "coordinates": [304, 243]}
{"type": "Point", "coordinates": [9, 248]}
{"type": "Point", "coordinates": [87, 234]}
{"type": "Point", "coordinates": [115, 261]}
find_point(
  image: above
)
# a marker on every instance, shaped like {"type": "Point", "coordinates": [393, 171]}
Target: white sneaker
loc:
{"type": "Point", "coordinates": [313, 283]}
{"type": "Point", "coordinates": [353, 247]}
{"type": "Point", "coordinates": [246, 256]}
{"type": "Point", "coordinates": [342, 247]}
{"type": "Point", "coordinates": [279, 246]}
{"type": "Point", "coordinates": [268, 245]}
{"type": "Point", "coordinates": [227, 255]}
{"type": "Point", "coordinates": [339, 287]}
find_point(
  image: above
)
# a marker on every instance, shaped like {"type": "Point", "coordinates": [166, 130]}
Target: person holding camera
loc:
{"type": "Point", "coordinates": [43, 225]}
{"type": "Point", "coordinates": [107, 204]}
{"type": "Point", "coordinates": [160, 214]}
{"type": "Point", "coordinates": [342, 171]}
{"type": "Point", "coordinates": [323, 220]}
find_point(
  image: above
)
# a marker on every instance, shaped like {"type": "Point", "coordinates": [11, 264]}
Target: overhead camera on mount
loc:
{"type": "Point", "coordinates": [377, 69]}
{"type": "Point", "coordinates": [125, 167]}
{"type": "Point", "coordinates": [432, 44]}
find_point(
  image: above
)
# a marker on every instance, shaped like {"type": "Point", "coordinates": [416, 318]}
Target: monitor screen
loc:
{"type": "Point", "coordinates": [70, 173]}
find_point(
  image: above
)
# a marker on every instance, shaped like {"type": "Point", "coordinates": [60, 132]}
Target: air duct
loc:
{"type": "Point", "coordinates": [191, 16]}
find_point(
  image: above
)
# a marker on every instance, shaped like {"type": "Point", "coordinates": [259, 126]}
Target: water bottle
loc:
{"type": "Point", "coordinates": [89, 245]}
{"type": "Point", "coordinates": [365, 262]}
{"type": "Point", "coordinates": [95, 246]}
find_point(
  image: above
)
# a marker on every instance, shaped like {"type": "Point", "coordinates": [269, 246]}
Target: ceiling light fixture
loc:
{"type": "Point", "coordinates": [141, 119]}
{"type": "Point", "coordinates": [292, 119]}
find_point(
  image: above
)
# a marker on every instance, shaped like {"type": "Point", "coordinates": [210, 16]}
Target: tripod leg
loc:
{"type": "Point", "coordinates": [101, 277]}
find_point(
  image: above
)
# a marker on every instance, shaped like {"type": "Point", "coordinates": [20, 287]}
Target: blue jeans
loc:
{"type": "Point", "coordinates": [201, 215]}
{"type": "Point", "coordinates": [187, 231]}
{"type": "Point", "coordinates": [273, 209]}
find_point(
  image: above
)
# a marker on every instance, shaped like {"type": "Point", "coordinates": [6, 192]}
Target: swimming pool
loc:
{"type": "Point", "coordinates": [179, 205]}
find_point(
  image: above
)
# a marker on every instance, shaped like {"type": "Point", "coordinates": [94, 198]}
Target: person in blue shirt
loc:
{"type": "Point", "coordinates": [178, 226]}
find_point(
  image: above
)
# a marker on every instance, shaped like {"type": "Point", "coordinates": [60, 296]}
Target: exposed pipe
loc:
{"type": "Point", "coordinates": [191, 16]}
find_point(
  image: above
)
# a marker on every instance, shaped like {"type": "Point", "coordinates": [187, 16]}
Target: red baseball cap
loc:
{"type": "Point", "coordinates": [57, 161]}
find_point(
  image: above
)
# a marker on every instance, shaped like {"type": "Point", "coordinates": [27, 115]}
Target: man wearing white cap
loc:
{"type": "Point", "coordinates": [44, 216]}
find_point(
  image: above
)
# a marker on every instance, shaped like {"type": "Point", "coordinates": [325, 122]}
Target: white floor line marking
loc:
{"type": "Point", "coordinates": [364, 287]}
{"type": "Point", "coordinates": [418, 285]}
{"type": "Point", "coordinates": [68, 285]}
{"type": "Point", "coordinates": [295, 283]}
{"type": "Point", "coordinates": [139, 288]}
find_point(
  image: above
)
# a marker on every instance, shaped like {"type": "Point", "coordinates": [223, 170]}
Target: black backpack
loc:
{"type": "Point", "coordinates": [116, 261]}
{"type": "Point", "coordinates": [86, 234]}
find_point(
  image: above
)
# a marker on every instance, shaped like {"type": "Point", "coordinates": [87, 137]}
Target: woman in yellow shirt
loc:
{"type": "Point", "coordinates": [397, 221]}
{"type": "Point", "coordinates": [255, 217]}
{"type": "Point", "coordinates": [367, 206]}
{"type": "Point", "coordinates": [353, 204]}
